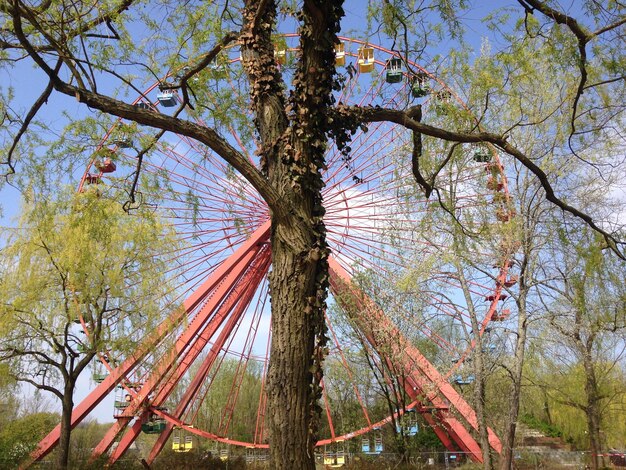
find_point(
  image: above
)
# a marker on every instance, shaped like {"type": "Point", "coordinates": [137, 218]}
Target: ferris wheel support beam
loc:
{"type": "Point", "coordinates": [446, 434]}
{"type": "Point", "coordinates": [237, 302]}
{"type": "Point", "coordinates": [435, 425]}
{"type": "Point", "coordinates": [260, 235]}
{"type": "Point", "coordinates": [450, 432]}
{"type": "Point", "coordinates": [421, 374]}
{"type": "Point", "coordinates": [92, 400]}
{"type": "Point", "coordinates": [196, 331]}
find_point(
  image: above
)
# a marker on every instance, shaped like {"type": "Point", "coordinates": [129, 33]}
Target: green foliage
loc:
{"type": "Point", "coordinates": [81, 256]}
{"type": "Point", "coordinates": [547, 429]}
{"type": "Point", "coordinates": [18, 438]}
{"type": "Point", "coordinates": [558, 401]}
{"type": "Point", "coordinates": [426, 439]}
{"type": "Point", "coordinates": [85, 437]}
{"type": "Point", "coordinates": [244, 416]}
{"type": "Point", "coordinates": [9, 396]}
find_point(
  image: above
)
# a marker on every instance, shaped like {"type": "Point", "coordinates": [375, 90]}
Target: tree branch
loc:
{"type": "Point", "coordinates": [112, 106]}
{"type": "Point", "coordinates": [43, 98]}
{"type": "Point", "coordinates": [583, 37]}
{"type": "Point", "coordinates": [402, 118]}
{"type": "Point", "coordinates": [41, 386]}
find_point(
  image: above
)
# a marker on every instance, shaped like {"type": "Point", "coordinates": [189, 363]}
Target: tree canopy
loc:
{"type": "Point", "coordinates": [546, 70]}
{"type": "Point", "coordinates": [81, 278]}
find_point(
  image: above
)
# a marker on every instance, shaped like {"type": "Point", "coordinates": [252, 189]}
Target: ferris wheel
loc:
{"type": "Point", "coordinates": [409, 294]}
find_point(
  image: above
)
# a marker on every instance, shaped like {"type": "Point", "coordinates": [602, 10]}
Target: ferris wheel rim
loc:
{"type": "Point", "coordinates": [496, 289]}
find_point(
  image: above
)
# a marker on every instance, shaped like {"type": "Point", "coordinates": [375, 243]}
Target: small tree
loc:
{"type": "Point", "coordinates": [586, 305]}
{"type": "Point", "coordinates": [81, 278]}
{"type": "Point", "coordinates": [9, 401]}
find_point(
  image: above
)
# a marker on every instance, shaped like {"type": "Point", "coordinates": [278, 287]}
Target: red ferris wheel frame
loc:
{"type": "Point", "coordinates": [218, 304]}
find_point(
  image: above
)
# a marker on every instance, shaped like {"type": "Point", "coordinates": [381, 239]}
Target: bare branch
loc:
{"type": "Point", "coordinates": [42, 386]}
{"type": "Point", "coordinates": [43, 98]}
{"type": "Point", "coordinates": [202, 134]}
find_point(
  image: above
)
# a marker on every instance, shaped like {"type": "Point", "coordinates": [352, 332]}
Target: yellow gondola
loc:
{"type": "Point", "coordinates": [366, 59]}
{"type": "Point", "coordinates": [340, 54]}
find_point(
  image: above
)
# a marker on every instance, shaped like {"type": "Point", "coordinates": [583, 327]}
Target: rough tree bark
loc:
{"type": "Point", "coordinates": [479, 369]}
{"type": "Point", "coordinates": [293, 135]}
{"type": "Point", "coordinates": [592, 411]}
{"type": "Point", "coordinates": [533, 235]}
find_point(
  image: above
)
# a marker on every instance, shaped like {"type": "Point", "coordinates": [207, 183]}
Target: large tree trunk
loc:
{"type": "Point", "coordinates": [293, 134]}
{"type": "Point", "coordinates": [292, 284]}
{"type": "Point", "coordinates": [67, 406]}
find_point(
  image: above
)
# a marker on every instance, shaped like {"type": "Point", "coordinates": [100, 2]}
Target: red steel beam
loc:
{"type": "Point", "coordinates": [240, 297]}
{"type": "Point", "coordinates": [439, 431]}
{"type": "Point", "coordinates": [92, 400]}
{"type": "Point", "coordinates": [187, 338]}
{"type": "Point", "coordinates": [415, 390]}
{"type": "Point", "coordinates": [260, 235]}
{"type": "Point", "coordinates": [198, 380]}
{"type": "Point", "coordinates": [259, 428]}
{"type": "Point", "coordinates": [419, 369]}
{"type": "Point", "coordinates": [240, 373]}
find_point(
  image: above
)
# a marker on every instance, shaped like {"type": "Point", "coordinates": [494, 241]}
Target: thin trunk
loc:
{"type": "Point", "coordinates": [546, 408]}
{"type": "Point", "coordinates": [591, 411]}
{"type": "Point", "coordinates": [479, 396]}
{"type": "Point", "coordinates": [508, 441]}
{"type": "Point", "coordinates": [67, 406]}
{"type": "Point", "coordinates": [479, 370]}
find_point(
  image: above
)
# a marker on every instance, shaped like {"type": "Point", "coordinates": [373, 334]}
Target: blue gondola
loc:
{"type": "Point", "coordinates": [459, 380]}
{"type": "Point", "coordinates": [167, 98]}
{"type": "Point", "coordinates": [378, 443]}
{"type": "Point", "coordinates": [411, 426]}
{"type": "Point", "coordinates": [365, 445]}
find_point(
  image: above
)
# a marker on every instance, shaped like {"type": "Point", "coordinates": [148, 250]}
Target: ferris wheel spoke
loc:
{"type": "Point", "coordinates": [350, 373]}
{"type": "Point", "coordinates": [195, 331]}
{"type": "Point", "coordinates": [242, 366]}
{"type": "Point", "coordinates": [408, 356]}
{"type": "Point", "coordinates": [381, 229]}
{"type": "Point", "coordinates": [240, 298]}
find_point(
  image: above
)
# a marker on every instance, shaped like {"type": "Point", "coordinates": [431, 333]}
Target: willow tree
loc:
{"type": "Point", "coordinates": [84, 50]}
{"type": "Point", "coordinates": [81, 278]}
{"type": "Point", "coordinates": [587, 320]}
